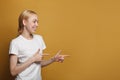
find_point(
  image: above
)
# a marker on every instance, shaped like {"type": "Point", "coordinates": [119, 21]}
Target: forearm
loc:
{"type": "Point", "coordinates": [16, 68]}
{"type": "Point", "coordinates": [21, 67]}
{"type": "Point", "coordinates": [47, 62]}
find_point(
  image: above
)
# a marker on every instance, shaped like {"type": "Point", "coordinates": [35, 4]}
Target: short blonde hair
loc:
{"type": "Point", "coordinates": [24, 16]}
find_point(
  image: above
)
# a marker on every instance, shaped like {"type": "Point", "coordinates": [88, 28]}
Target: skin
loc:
{"type": "Point", "coordinates": [30, 27]}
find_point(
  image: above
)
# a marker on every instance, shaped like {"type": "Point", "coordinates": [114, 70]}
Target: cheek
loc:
{"type": "Point", "coordinates": [30, 25]}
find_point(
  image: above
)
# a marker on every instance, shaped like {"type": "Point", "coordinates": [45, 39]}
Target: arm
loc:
{"type": "Point", "coordinates": [47, 62]}
{"type": "Point", "coordinates": [16, 68]}
{"type": "Point", "coordinates": [56, 58]}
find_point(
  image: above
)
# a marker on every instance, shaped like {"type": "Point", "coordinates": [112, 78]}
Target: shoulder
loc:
{"type": "Point", "coordinates": [16, 40]}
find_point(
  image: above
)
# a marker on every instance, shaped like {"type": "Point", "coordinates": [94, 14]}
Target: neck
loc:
{"type": "Point", "coordinates": [27, 35]}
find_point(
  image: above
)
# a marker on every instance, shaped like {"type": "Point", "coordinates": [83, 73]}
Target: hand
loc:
{"type": "Point", "coordinates": [58, 57]}
{"type": "Point", "coordinates": [37, 57]}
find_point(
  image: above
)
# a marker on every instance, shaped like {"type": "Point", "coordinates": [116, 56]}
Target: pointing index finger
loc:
{"type": "Point", "coordinates": [65, 55]}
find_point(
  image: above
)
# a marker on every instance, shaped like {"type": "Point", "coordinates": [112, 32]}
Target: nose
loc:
{"type": "Point", "coordinates": [36, 23]}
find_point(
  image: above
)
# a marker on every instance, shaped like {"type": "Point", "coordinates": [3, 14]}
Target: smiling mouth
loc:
{"type": "Point", "coordinates": [33, 27]}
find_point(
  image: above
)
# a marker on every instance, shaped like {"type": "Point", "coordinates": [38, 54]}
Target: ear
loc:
{"type": "Point", "coordinates": [24, 22]}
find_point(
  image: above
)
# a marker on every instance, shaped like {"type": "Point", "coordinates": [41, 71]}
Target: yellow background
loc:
{"type": "Point", "coordinates": [88, 30]}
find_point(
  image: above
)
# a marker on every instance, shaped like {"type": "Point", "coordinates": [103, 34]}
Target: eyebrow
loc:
{"type": "Point", "coordinates": [36, 20]}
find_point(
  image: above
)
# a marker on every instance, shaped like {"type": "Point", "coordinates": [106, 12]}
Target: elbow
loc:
{"type": "Point", "coordinates": [13, 72]}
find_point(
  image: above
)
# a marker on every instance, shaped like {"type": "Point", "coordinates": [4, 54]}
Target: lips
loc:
{"type": "Point", "coordinates": [33, 28]}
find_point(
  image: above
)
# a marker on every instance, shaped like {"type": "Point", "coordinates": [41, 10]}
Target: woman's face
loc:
{"type": "Point", "coordinates": [31, 24]}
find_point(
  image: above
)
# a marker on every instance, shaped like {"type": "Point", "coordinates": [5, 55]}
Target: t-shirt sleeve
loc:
{"type": "Point", "coordinates": [43, 43]}
{"type": "Point", "coordinates": [13, 49]}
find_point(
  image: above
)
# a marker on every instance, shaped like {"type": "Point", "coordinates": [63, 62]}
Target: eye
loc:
{"type": "Point", "coordinates": [35, 21]}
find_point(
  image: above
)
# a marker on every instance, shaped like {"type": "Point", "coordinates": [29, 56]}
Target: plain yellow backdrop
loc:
{"type": "Point", "coordinates": [87, 30]}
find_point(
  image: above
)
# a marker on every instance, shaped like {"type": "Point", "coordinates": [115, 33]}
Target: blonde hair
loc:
{"type": "Point", "coordinates": [24, 16]}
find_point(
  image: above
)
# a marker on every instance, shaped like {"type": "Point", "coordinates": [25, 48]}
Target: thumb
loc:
{"type": "Point", "coordinates": [58, 53]}
{"type": "Point", "coordinates": [38, 51]}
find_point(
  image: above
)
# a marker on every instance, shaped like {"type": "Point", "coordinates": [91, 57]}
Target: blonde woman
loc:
{"type": "Point", "coordinates": [27, 48]}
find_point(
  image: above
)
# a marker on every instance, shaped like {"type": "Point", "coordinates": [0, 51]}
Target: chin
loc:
{"type": "Point", "coordinates": [32, 32]}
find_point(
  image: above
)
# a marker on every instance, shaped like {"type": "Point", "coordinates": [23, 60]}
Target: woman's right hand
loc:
{"type": "Point", "coordinates": [37, 57]}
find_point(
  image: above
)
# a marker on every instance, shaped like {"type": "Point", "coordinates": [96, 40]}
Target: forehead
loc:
{"type": "Point", "coordinates": [33, 17]}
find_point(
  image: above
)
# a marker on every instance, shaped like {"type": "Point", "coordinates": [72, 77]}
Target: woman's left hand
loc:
{"type": "Point", "coordinates": [58, 57]}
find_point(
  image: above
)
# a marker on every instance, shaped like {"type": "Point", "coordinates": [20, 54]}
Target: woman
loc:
{"type": "Point", "coordinates": [26, 50]}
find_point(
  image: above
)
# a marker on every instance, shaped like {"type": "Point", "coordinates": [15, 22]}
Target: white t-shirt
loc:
{"type": "Point", "coordinates": [24, 49]}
